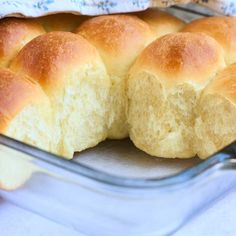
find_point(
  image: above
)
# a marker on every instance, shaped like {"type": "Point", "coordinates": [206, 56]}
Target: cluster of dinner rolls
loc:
{"type": "Point", "coordinates": [69, 82]}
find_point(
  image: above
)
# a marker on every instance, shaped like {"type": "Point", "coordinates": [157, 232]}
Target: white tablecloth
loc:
{"type": "Point", "coordinates": [216, 221]}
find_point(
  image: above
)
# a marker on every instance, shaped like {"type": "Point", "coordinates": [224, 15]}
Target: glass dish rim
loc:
{"type": "Point", "coordinates": [215, 162]}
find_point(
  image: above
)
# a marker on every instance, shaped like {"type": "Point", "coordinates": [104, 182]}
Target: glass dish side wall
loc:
{"type": "Point", "coordinates": [97, 208]}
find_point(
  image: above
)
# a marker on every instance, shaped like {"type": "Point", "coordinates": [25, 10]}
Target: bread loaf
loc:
{"type": "Point", "coordinates": [119, 40]}
{"type": "Point", "coordinates": [73, 76]}
{"type": "Point", "coordinates": [117, 76]}
{"type": "Point", "coordinates": [163, 89]}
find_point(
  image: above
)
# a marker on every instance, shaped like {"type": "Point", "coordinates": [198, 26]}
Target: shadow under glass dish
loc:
{"type": "Point", "coordinates": [116, 189]}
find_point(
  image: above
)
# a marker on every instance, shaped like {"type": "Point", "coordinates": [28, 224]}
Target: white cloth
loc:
{"type": "Point", "coordinates": [96, 7]}
{"type": "Point", "coordinates": [216, 221]}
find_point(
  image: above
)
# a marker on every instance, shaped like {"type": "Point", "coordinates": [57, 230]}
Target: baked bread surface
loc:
{"type": "Point", "coordinates": [117, 76]}
{"type": "Point", "coordinates": [164, 86]}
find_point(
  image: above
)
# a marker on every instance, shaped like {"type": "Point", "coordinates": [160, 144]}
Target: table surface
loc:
{"type": "Point", "coordinates": [216, 221]}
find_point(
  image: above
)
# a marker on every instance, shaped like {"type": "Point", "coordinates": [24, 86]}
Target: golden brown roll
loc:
{"type": "Point", "coordinates": [215, 125]}
{"type": "Point", "coordinates": [14, 34]}
{"type": "Point", "coordinates": [222, 29]}
{"type": "Point", "coordinates": [161, 22]}
{"type": "Point", "coordinates": [119, 39]}
{"type": "Point", "coordinates": [61, 22]}
{"type": "Point", "coordinates": [72, 74]}
{"type": "Point", "coordinates": [163, 88]}
{"type": "Point", "coordinates": [25, 112]}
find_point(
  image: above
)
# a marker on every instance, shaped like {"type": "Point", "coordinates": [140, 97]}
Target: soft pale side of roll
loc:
{"type": "Point", "coordinates": [163, 89]}
{"type": "Point", "coordinates": [25, 111]}
{"type": "Point", "coordinates": [73, 76]}
{"type": "Point", "coordinates": [215, 125]}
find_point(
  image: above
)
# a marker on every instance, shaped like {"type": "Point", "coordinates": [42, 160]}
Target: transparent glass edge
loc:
{"type": "Point", "coordinates": [222, 160]}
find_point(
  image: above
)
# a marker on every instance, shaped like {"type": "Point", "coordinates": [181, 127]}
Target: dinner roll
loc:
{"type": "Point", "coordinates": [61, 22]}
{"type": "Point", "coordinates": [215, 125]}
{"type": "Point", "coordinates": [15, 168]}
{"type": "Point", "coordinates": [119, 39]}
{"type": "Point", "coordinates": [163, 88]}
{"type": "Point", "coordinates": [161, 22]}
{"type": "Point", "coordinates": [25, 112]}
{"type": "Point", "coordinates": [222, 29]}
{"type": "Point", "coordinates": [14, 34]}
{"type": "Point", "coordinates": [72, 74]}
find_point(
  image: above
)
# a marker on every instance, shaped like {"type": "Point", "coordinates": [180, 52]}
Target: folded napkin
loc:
{"type": "Point", "coordinates": [36, 8]}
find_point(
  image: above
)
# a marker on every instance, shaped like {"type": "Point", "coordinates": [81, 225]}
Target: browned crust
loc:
{"type": "Point", "coordinates": [118, 38]}
{"type": "Point", "coordinates": [221, 28]}
{"type": "Point", "coordinates": [15, 92]}
{"type": "Point", "coordinates": [49, 57]}
{"type": "Point", "coordinates": [115, 34]}
{"type": "Point", "coordinates": [14, 34]}
{"type": "Point", "coordinates": [182, 57]}
{"type": "Point", "coordinates": [160, 21]}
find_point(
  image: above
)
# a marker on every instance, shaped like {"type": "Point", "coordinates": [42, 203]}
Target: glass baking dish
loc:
{"type": "Point", "coordinates": [115, 189]}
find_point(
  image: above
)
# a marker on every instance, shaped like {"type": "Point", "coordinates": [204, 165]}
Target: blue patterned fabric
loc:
{"type": "Point", "coordinates": [97, 7]}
